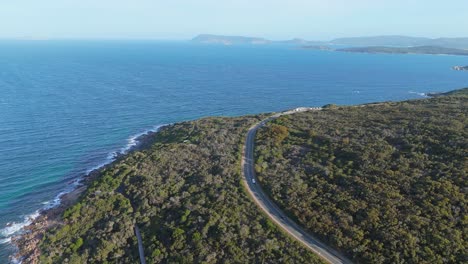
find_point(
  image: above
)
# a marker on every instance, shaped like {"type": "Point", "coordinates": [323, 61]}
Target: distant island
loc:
{"type": "Point", "coordinates": [433, 50]}
{"type": "Point", "coordinates": [318, 47]}
{"type": "Point", "coordinates": [460, 68]}
{"type": "Point", "coordinates": [241, 40]}
{"type": "Point", "coordinates": [229, 40]}
{"type": "Point", "coordinates": [391, 41]}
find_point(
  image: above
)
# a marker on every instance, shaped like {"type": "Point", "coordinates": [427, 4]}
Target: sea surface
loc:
{"type": "Point", "coordinates": [67, 106]}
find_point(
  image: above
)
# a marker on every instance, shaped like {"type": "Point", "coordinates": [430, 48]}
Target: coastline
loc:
{"type": "Point", "coordinates": [27, 242]}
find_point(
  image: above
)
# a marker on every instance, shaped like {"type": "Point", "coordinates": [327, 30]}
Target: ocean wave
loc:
{"type": "Point", "coordinates": [419, 93]}
{"type": "Point", "coordinates": [14, 260]}
{"type": "Point", "coordinates": [15, 228]}
{"type": "Point", "coordinates": [132, 141]}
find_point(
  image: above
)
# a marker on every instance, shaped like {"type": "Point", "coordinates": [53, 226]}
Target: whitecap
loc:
{"type": "Point", "coordinates": [5, 240]}
{"type": "Point", "coordinates": [419, 93]}
{"type": "Point", "coordinates": [133, 140]}
{"type": "Point", "coordinates": [14, 228]}
{"type": "Point", "coordinates": [14, 260]}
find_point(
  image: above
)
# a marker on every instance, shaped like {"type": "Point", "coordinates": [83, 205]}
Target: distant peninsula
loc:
{"type": "Point", "coordinates": [460, 68]}
{"type": "Point", "coordinates": [402, 41]}
{"type": "Point", "coordinates": [432, 50]}
{"type": "Point", "coordinates": [241, 40]}
{"type": "Point", "coordinates": [390, 41]}
{"type": "Point", "coordinates": [229, 40]}
{"type": "Point", "coordinates": [317, 47]}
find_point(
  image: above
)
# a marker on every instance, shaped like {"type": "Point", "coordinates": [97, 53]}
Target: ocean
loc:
{"type": "Point", "coordinates": [67, 106]}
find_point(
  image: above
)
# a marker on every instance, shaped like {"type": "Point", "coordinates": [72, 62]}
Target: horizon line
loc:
{"type": "Point", "coordinates": [31, 38]}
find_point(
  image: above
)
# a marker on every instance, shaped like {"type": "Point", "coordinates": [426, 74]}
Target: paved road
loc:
{"type": "Point", "coordinates": [270, 208]}
{"type": "Point", "coordinates": [140, 245]}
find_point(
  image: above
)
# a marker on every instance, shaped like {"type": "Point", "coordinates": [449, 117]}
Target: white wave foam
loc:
{"type": "Point", "coordinates": [133, 140]}
{"type": "Point", "coordinates": [12, 229]}
{"type": "Point", "coordinates": [14, 260]}
{"type": "Point", "coordinates": [418, 93]}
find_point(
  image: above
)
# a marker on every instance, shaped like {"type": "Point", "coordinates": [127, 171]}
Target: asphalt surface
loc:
{"type": "Point", "coordinates": [140, 245]}
{"type": "Point", "coordinates": [271, 209]}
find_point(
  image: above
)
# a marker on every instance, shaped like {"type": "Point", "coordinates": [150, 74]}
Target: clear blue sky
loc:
{"type": "Point", "coordinates": [275, 19]}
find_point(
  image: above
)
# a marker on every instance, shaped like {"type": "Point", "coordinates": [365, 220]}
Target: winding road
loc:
{"type": "Point", "coordinates": [141, 252]}
{"type": "Point", "coordinates": [270, 208]}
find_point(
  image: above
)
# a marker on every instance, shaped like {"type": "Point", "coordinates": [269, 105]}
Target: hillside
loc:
{"type": "Point", "coordinates": [385, 183]}
{"type": "Point", "coordinates": [228, 40]}
{"type": "Point", "coordinates": [432, 50]}
{"type": "Point", "coordinates": [184, 193]}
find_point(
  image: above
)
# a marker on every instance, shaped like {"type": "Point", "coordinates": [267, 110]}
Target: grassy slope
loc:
{"type": "Point", "coordinates": [184, 192]}
{"type": "Point", "coordinates": [385, 183]}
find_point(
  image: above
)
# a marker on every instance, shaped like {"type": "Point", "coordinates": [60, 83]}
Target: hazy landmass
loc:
{"type": "Point", "coordinates": [385, 183]}
{"type": "Point", "coordinates": [317, 47]}
{"type": "Point", "coordinates": [403, 41]}
{"type": "Point", "coordinates": [229, 40]}
{"type": "Point", "coordinates": [235, 40]}
{"type": "Point", "coordinates": [392, 41]}
{"type": "Point", "coordinates": [432, 50]}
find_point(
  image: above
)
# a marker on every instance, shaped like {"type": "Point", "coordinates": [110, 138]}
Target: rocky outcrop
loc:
{"type": "Point", "coordinates": [460, 68]}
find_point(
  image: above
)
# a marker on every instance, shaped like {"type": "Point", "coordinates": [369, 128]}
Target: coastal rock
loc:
{"type": "Point", "coordinates": [460, 68]}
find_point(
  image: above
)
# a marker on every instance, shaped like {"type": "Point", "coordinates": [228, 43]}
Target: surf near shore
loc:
{"type": "Point", "coordinates": [30, 235]}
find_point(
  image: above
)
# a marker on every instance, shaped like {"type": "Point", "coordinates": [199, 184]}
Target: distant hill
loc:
{"type": "Point", "coordinates": [238, 40]}
{"type": "Point", "coordinates": [403, 41]}
{"type": "Point", "coordinates": [434, 50]}
{"type": "Point", "coordinates": [229, 40]}
{"type": "Point", "coordinates": [298, 41]}
{"type": "Point", "coordinates": [317, 47]}
{"type": "Point", "coordinates": [394, 41]}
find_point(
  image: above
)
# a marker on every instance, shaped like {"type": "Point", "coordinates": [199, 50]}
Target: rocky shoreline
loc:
{"type": "Point", "coordinates": [28, 242]}
{"type": "Point", "coordinates": [460, 68]}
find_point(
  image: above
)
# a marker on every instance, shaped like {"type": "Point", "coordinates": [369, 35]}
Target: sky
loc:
{"type": "Point", "coordinates": [273, 19]}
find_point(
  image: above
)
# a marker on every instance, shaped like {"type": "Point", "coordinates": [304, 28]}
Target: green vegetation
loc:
{"type": "Point", "coordinates": [185, 194]}
{"type": "Point", "coordinates": [384, 183]}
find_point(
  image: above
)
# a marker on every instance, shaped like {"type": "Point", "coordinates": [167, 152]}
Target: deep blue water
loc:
{"type": "Point", "coordinates": [64, 105]}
